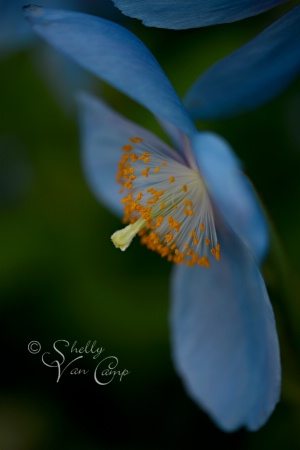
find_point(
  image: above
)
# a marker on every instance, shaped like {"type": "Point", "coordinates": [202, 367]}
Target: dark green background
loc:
{"type": "Point", "coordinates": [61, 277]}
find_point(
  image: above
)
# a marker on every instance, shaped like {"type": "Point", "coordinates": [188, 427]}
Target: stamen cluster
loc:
{"type": "Point", "coordinates": [168, 203]}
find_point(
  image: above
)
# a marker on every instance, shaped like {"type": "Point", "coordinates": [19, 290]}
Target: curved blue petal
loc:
{"type": "Point", "coordinates": [182, 14]}
{"type": "Point", "coordinates": [250, 76]}
{"type": "Point", "coordinates": [224, 337]}
{"type": "Point", "coordinates": [231, 191]}
{"type": "Point", "coordinates": [103, 134]}
{"type": "Point", "coordinates": [116, 55]}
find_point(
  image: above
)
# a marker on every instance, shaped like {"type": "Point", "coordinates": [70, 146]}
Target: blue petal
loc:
{"type": "Point", "coordinates": [177, 138]}
{"type": "Point", "coordinates": [182, 14]}
{"type": "Point", "coordinates": [231, 191]}
{"type": "Point", "coordinates": [116, 55]}
{"type": "Point", "coordinates": [103, 134]}
{"type": "Point", "coordinates": [224, 337]}
{"type": "Point", "coordinates": [250, 76]}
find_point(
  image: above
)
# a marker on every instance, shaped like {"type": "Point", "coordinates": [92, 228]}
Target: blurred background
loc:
{"type": "Point", "coordinates": [61, 277]}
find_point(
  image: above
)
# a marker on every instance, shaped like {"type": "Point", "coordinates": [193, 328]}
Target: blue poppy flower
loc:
{"type": "Point", "coordinates": [182, 14]}
{"type": "Point", "coordinates": [192, 205]}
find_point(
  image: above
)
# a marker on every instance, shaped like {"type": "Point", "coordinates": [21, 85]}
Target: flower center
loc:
{"type": "Point", "coordinates": [166, 203]}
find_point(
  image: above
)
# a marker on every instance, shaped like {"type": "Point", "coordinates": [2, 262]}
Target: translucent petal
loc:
{"type": "Point", "coordinates": [103, 134]}
{"type": "Point", "coordinates": [224, 339]}
{"type": "Point", "coordinates": [114, 54]}
{"type": "Point", "coordinates": [177, 138]}
{"type": "Point", "coordinates": [182, 14]}
{"type": "Point", "coordinates": [250, 76]}
{"type": "Point", "coordinates": [231, 191]}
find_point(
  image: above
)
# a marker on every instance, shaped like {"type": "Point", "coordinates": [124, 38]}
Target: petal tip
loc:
{"type": "Point", "coordinates": [31, 11]}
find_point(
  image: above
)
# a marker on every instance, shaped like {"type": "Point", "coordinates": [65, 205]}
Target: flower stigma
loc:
{"type": "Point", "coordinates": [166, 203]}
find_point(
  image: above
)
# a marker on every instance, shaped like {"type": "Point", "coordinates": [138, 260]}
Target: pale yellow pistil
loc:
{"type": "Point", "coordinates": [122, 238]}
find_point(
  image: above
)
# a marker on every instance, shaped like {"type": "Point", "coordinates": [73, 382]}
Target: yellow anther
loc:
{"type": "Point", "coordinates": [192, 233]}
{"type": "Point", "coordinates": [144, 156]}
{"type": "Point", "coordinates": [193, 260]}
{"type": "Point", "coordinates": [126, 199]}
{"type": "Point", "coordinates": [172, 179]}
{"type": "Point", "coordinates": [207, 241]}
{"type": "Point", "coordinates": [204, 261]}
{"type": "Point", "coordinates": [195, 241]}
{"type": "Point", "coordinates": [176, 225]}
{"type": "Point", "coordinates": [184, 188]}
{"type": "Point", "coordinates": [163, 164]}
{"type": "Point", "coordinates": [135, 139]}
{"type": "Point", "coordinates": [158, 223]}
{"type": "Point", "coordinates": [168, 238]}
{"type": "Point", "coordinates": [157, 169]}
{"type": "Point", "coordinates": [133, 157]}
{"type": "Point", "coordinates": [159, 220]}
{"type": "Point", "coordinates": [121, 191]}
{"type": "Point", "coordinates": [201, 227]}
{"type": "Point", "coordinates": [139, 197]}
{"type": "Point", "coordinates": [128, 185]}
{"type": "Point", "coordinates": [162, 205]}
{"type": "Point", "coordinates": [145, 172]}
{"type": "Point", "coordinates": [179, 259]}
{"type": "Point", "coordinates": [127, 148]}
{"type": "Point", "coordinates": [132, 206]}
